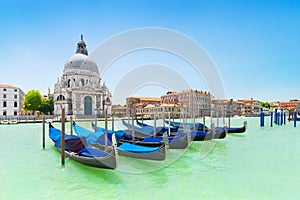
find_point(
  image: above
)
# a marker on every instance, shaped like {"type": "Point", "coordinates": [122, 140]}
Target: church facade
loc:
{"type": "Point", "coordinates": [79, 90]}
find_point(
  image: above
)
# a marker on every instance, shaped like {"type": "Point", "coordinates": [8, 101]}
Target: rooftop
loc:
{"type": "Point", "coordinates": [146, 98]}
{"type": "Point", "coordinates": [6, 86]}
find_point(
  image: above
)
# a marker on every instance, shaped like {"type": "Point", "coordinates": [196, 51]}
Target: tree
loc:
{"type": "Point", "coordinates": [266, 104]}
{"type": "Point", "coordinates": [33, 100]}
{"type": "Point", "coordinates": [46, 106]}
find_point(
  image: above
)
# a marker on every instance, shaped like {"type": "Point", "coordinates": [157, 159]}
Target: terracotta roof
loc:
{"type": "Point", "coordinates": [146, 98]}
{"type": "Point", "coordinates": [150, 99]}
{"type": "Point", "coordinates": [6, 86]}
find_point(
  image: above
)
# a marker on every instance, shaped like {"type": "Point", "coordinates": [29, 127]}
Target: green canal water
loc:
{"type": "Point", "coordinates": [262, 163]}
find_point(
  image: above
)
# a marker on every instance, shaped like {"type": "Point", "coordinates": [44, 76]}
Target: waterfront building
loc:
{"type": "Point", "coordinates": [196, 103]}
{"type": "Point", "coordinates": [217, 107]}
{"type": "Point", "coordinates": [239, 108]}
{"type": "Point", "coordinates": [226, 107]}
{"type": "Point", "coordinates": [232, 108]}
{"type": "Point", "coordinates": [79, 90]}
{"type": "Point", "coordinates": [119, 111]}
{"type": "Point", "coordinates": [250, 107]}
{"type": "Point", "coordinates": [11, 100]}
{"type": "Point", "coordinates": [170, 107]}
{"type": "Point", "coordinates": [275, 104]}
{"type": "Point", "coordinates": [289, 105]}
{"type": "Point", "coordinates": [136, 104]}
{"type": "Point", "coordinates": [298, 107]}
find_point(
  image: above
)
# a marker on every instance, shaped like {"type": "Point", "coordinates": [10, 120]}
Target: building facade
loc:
{"type": "Point", "coordinates": [250, 107]}
{"type": "Point", "coordinates": [11, 100]}
{"type": "Point", "coordinates": [196, 103]}
{"type": "Point", "coordinates": [136, 105]}
{"type": "Point", "coordinates": [289, 105]}
{"type": "Point", "coordinates": [217, 107]}
{"type": "Point", "coordinates": [119, 111]}
{"type": "Point", "coordinates": [79, 90]}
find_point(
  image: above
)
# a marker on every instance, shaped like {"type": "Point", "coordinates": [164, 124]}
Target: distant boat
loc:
{"type": "Point", "coordinates": [13, 121]}
{"type": "Point", "coordinates": [4, 121]}
{"type": "Point", "coordinates": [9, 121]}
{"type": "Point", "coordinates": [218, 133]}
{"type": "Point", "coordinates": [76, 149]}
{"type": "Point", "coordinates": [200, 126]}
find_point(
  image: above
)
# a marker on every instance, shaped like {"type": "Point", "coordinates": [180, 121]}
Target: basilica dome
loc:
{"type": "Point", "coordinates": [80, 60]}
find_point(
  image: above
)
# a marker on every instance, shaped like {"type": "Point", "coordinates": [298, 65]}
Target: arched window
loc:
{"type": "Point", "coordinates": [87, 105]}
{"type": "Point", "coordinates": [15, 104]}
{"type": "Point", "coordinates": [60, 97]}
{"type": "Point", "coordinates": [69, 83]}
{"type": "Point", "coordinates": [4, 113]}
{"type": "Point", "coordinates": [4, 104]}
{"type": "Point", "coordinates": [82, 82]}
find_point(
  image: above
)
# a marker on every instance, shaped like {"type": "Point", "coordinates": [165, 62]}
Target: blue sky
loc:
{"type": "Point", "coordinates": [255, 45]}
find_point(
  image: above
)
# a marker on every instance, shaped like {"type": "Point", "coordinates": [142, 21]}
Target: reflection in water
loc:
{"type": "Point", "coordinates": [109, 176]}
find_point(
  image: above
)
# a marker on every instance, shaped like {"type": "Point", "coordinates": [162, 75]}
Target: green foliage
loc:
{"type": "Point", "coordinates": [46, 106]}
{"type": "Point", "coordinates": [32, 100]}
{"type": "Point", "coordinates": [265, 104]}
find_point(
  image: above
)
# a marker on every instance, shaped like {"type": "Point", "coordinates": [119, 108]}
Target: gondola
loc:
{"type": "Point", "coordinates": [97, 139]}
{"type": "Point", "coordinates": [77, 149]}
{"type": "Point", "coordinates": [178, 141]}
{"type": "Point", "coordinates": [173, 129]}
{"type": "Point", "coordinates": [200, 126]}
{"type": "Point", "coordinates": [191, 126]}
{"type": "Point", "coordinates": [126, 136]}
{"type": "Point", "coordinates": [216, 134]}
{"type": "Point", "coordinates": [235, 130]}
{"type": "Point", "coordinates": [194, 135]}
{"type": "Point", "coordinates": [144, 132]}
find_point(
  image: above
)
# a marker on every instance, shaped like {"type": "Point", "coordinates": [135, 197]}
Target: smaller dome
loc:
{"type": "Point", "coordinates": [81, 61]}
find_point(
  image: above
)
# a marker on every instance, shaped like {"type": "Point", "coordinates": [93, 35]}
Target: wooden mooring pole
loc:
{"type": "Point", "coordinates": [142, 119]}
{"type": "Point", "coordinates": [106, 127]}
{"type": "Point", "coordinates": [113, 122]}
{"type": "Point", "coordinates": [132, 128]}
{"type": "Point", "coordinates": [203, 122]}
{"type": "Point", "coordinates": [169, 127]}
{"type": "Point", "coordinates": [71, 125]}
{"type": "Point", "coordinates": [95, 123]}
{"type": "Point", "coordinates": [63, 136]}
{"type": "Point", "coordinates": [43, 132]}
